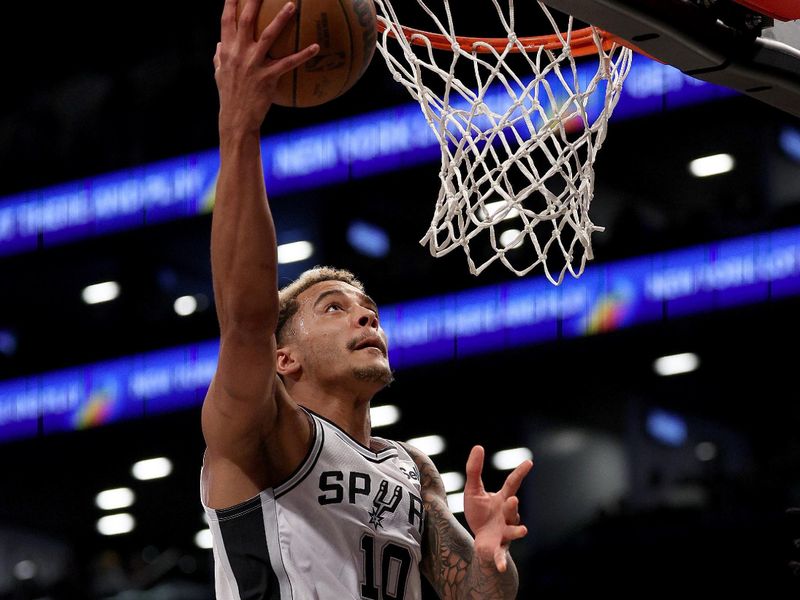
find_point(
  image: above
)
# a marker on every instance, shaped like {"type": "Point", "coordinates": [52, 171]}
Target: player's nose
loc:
{"type": "Point", "coordinates": [367, 318]}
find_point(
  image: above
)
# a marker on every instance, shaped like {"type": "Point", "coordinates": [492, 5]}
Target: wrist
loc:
{"type": "Point", "coordinates": [488, 553]}
{"type": "Point", "coordinates": [238, 132]}
{"type": "Point", "coordinates": [484, 577]}
{"type": "Point", "coordinates": [235, 139]}
{"type": "Point", "coordinates": [240, 122]}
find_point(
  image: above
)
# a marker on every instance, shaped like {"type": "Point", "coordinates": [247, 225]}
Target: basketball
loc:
{"type": "Point", "coordinates": [345, 31]}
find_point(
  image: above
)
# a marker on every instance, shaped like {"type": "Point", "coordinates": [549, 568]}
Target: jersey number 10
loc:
{"type": "Point", "coordinates": [393, 567]}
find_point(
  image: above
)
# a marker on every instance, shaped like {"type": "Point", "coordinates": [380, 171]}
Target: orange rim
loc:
{"type": "Point", "coordinates": [581, 41]}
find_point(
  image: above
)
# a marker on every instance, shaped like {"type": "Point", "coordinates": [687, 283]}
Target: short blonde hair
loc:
{"type": "Point", "coordinates": [287, 296]}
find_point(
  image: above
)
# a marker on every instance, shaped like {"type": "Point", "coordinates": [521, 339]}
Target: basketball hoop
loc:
{"type": "Point", "coordinates": [518, 144]}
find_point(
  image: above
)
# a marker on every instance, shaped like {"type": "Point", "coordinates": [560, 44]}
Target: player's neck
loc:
{"type": "Point", "coordinates": [352, 417]}
{"type": "Point", "coordinates": [353, 420]}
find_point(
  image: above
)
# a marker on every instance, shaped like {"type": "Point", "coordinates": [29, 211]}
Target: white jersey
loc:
{"type": "Point", "coordinates": [346, 524]}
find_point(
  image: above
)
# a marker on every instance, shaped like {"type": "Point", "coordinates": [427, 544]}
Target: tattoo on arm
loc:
{"type": "Point", "coordinates": [448, 549]}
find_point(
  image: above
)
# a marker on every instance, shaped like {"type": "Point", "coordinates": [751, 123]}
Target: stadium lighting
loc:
{"type": "Point", "coordinates": [380, 416]}
{"type": "Point", "coordinates": [100, 292]}
{"type": "Point", "coordinates": [675, 364]}
{"type": "Point", "coordinates": [506, 460]}
{"type": "Point", "coordinates": [456, 502]}
{"type": "Point", "coordinates": [453, 481]}
{"type": "Point", "coordinates": [116, 524]}
{"type": "Point", "coordinates": [115, 499]}
{"type": "Point", "coordinates": [152, 468]}
{"type": "Point", "coordinates": [705, 451]}
{"type": "Point", "coordinates": [185, 305]}
{"type": "Point", "coordinates": [716, 164]}
{"type": "Point", "coordinates": [203, 539]}
{"type": "Point", "coordinates": [429, 444]}
{"type": "Point", "coordinates": [294, 252]}
{"type": "Point", "coordinates": [508, 239]}
{"type": "Point", "coordinates": [25, 570]}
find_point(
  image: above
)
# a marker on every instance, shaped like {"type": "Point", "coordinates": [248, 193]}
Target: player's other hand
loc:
{"type": "Point", "coordinates": [245, 74]}
{"type": "Point", "coordinates": [493, 517]}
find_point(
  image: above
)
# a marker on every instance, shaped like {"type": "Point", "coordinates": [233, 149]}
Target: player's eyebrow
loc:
{"type": "Point", "coordinates": [364, 298]}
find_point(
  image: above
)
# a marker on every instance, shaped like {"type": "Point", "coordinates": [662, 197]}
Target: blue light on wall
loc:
{"type": "Point", "coordinates": [789, 140]}
{"type": "Point", "coordinates": [368, 239]}
{"type": "Point", "coordinates": [107, 392]}
{"type": "Point", "coordinates": [668, 428]}
{"type": "Point", "coordinates": [124, 200]}
{"type": "Point", "coordinates": [8, 342]}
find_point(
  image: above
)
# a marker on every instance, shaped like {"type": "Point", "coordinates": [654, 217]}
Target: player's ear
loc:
{"type": "Point", "coordinates": [287, 363]}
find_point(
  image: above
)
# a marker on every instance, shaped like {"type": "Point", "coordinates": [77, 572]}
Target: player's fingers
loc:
{"type": "Point", "coordinates": [515, 478]}
{"type": "Point", "coordinates": [474, 483]}
{"type": "Point", "coordinates": [293, 61]}
{"type": "Point", "coordinates": [511, 511]}
{"type": "Point", "coordinates": [514, 532]}
{"type": "Point", "coordinates": [217, 59]}
{"type": "Point", "coordinates": [228, 21]}
{"type": "Point", "coordinates": [246, 24]}
{"type": "Point", "coordinates": [500, 560]}
{"type": "Point", "coordinates": [273, 30]}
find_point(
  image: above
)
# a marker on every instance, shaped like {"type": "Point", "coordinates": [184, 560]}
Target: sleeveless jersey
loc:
{"type": "Point", "coordinates": [346, 524]}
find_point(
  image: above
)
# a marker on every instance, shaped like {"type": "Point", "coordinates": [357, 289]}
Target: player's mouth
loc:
{"type": "Point", "coordinates": [369, 342]}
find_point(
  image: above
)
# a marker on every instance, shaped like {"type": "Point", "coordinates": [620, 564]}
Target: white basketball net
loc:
{"type": "Point", "coordinates": [511, 155]}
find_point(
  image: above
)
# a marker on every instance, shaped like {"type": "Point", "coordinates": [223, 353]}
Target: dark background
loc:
{"type": "Point", "coordinates": [98, 87]}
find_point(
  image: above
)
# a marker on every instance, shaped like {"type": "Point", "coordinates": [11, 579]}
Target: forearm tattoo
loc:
{"type": "Point", "coordinates": [485, 581]}
{"type": "Point", "coordinates": [447, 554]}
{"type": "Point", "coordinates": [449, 561]}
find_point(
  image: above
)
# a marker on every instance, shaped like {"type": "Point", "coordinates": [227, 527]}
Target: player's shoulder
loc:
{"type": "Point", "coordinates": [415, 453]}
{"type": "Point", "coordinates": [429, 475]}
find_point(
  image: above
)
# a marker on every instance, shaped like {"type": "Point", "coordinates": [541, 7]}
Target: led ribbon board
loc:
{"type": "Point", "coordinates": [747, 270]}
{"type": "Point", "coordinates": [356, 147]}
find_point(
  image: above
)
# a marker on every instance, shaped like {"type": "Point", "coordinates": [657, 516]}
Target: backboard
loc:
{"type": "Point", "coordinates": [752, 46]}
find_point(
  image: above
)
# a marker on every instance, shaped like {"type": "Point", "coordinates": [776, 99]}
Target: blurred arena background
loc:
{"type": "Point", "coordinates": [644, 482]}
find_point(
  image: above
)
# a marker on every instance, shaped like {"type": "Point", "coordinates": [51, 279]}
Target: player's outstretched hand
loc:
{"type": "Point", "coordinates": [246, 76]}
{"type": "Point", "coordinates": [493, 517]}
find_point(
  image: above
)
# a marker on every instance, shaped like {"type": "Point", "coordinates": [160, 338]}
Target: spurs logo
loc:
{"type": "Point", "coordinates": [354, 487]}
{"type": "Point", "coordinates": [380, 505]}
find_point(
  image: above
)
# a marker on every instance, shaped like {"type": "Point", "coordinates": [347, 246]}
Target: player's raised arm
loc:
{"type": "Point", "coordinates": [240, 406]}
{"type": "Point", "coordinates": [457, 565]}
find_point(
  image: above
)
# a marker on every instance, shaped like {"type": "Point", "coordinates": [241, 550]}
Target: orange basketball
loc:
{"type": "Point", "coordinates": [345, 31]}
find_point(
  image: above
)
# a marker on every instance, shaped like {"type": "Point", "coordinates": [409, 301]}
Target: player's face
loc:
{"type": "Point", "coordinates": [339, 333]}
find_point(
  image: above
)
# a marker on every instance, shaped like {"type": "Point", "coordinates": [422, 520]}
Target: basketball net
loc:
{"type": "Point", "coordinates": [518, 148]}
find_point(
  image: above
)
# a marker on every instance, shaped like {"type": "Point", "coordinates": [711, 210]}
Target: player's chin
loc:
{"type": "Point", "coordinates": [376, 373]}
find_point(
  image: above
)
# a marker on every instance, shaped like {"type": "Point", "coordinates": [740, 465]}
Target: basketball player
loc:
{"type": "Point", "coordinates": [303, 502]}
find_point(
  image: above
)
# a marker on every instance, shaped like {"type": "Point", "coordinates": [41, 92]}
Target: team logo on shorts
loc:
{"type": "Point", "coordinates": [381, 504]}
